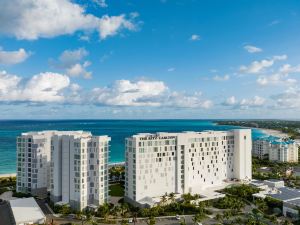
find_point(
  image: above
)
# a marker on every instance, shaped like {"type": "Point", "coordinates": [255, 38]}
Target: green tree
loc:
{"type": "Point", "coordinates": [164, 199]}
{"type": "Point", "coordinates": [219, 218]}
{"type": "Point", "coordinates": [124, 222]}
{"type": "Point", "coordinates": [182, 221]}
{"type": "Point", "coordinates": [151, 220]}
{"type": "Point", "coordinates": [172, 197]}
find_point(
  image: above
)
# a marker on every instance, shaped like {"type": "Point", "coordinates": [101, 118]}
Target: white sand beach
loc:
{"type": "Point", "coordinates": [275, 133]}
{"type": "Point", "coordinates": [8, 175]}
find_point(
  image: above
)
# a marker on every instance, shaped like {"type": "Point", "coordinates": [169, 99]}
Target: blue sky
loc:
{"type": "Point", "coordinates": [149, 59]}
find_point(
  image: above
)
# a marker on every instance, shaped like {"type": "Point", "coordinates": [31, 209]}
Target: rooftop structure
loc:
{"type": "Point", "coordinates": [27, 211]}
{"type": "Point", "coordinates": [276, 189]}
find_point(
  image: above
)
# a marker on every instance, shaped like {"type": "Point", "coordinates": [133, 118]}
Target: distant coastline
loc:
{"type": "Point", "coordinates": [278, 128]}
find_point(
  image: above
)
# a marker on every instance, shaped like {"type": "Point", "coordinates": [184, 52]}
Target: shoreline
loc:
{"type": "Point", "coordinates": [6, 175]}
{"type": "Point", "coordinates": [275, 133]}
{"type": "Point", "coordinates": [268, 132]}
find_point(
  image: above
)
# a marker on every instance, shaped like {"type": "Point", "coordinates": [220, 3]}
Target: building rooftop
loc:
{"type": "Point", "coordinates": [275, 140]}
{"type": "Point", "coordinates": [295, 202]}
{"type": "Point", "coordinates": [26, 210]}
{"type": "Point", "coordinates": [53, 132]}
{"type": "Point", "coordinates": [286, 194]}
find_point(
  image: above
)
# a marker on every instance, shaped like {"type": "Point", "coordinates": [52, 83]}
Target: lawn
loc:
{"type": "Point", "coordinates": [116, 190]}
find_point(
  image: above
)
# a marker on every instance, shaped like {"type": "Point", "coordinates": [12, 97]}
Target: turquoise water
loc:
{"type": "Point", "coordinates": [116, 129]}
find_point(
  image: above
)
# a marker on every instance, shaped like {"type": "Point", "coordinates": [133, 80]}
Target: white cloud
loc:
{"type": "Point", "coordinates": [221, 78]}
{"type": "Point", "coordinates": [69, 57]}
{"type": "Point", "coordinates": [287, 68]}
{"type": "Point", "coordinates": [275, 79]}
{"type": "Point", "coordinates": [13, 57]}
{"type": "Point", "coordinates": [281, 77]}
{"type": "Point", "coordinates": [259, 66]}
{"type": "Point", "coordinates": [33, 19]}
{"type": "Point", "coordinates": [244, 103]}
{"type": "Point", "coordinates": [171, 69]}
{"type": "Point", "coordinates": [252, 49]}
{"type": "Point", "coordinates": [274, 22]}
{"type": "Point", "coordinates": [106, 56]}
{"type": "Point", "coordinates": [78, 69]}
{"type": "Point", "coordinates": [230, 101]}
{"type": "Point", "coordinates": [110, 26]}
{"type": "Point", "coordinates": [145, 93]}
{"type": "Point", "coordinates": [101, 3]}
{"type": "Point", "coordinates": [43, 87]}
{"type": "Point", "coordinates": [290, 99]}
{"type": "Point", "coordinates": [195, 37]}
{"type": "Point", "coordinates": [71, 61]}
{"type": "Point", "coordinates": [57, 88]}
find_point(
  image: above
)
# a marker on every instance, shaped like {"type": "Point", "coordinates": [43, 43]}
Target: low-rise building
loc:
{"type": "Point", "coordinates": [26, 211]}
{"type": "Point", "coordinates": [187, 162]}
{"type": "Point", "coordinates": [290, 197]}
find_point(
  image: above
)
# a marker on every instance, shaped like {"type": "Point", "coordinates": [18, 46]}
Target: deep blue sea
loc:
{"type": "Point", "coordinates": [116, 129]}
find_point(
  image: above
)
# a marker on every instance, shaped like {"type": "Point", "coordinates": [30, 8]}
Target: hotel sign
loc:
{"type": "Point", "coordinates": [157, 137]}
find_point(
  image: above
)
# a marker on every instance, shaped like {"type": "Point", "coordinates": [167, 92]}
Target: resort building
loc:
{"type": "Point", "coordinates": [275, 149]}
{"type": "Point", "coordinates": [33, 162]}
{"type": "Point", "coordinates": [79, 169]}
{"type": "Point", "coordinates": [187, 162]}
{"type": "Point", "coordinates": [72, 165]}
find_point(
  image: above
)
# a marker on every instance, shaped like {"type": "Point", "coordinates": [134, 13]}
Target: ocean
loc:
{"type": "Point", "coordinates": [118, 130]}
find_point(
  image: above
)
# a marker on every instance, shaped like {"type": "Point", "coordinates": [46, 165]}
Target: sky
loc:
{"type": "Point", "coordinates": [175, 59]}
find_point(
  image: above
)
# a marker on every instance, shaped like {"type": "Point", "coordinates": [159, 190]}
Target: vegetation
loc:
{"type": "Point", "coordinates": [117, 173]}
{"type": "Point", "coordinates": [276, 170]}
{"type": "Point", "coordinates": [243, 192]}
{"type": "Point", "coordinates": [229, 202]}
{"type": "Point", "coordinates": [7, 183]}
{"type": "Point", "coordinates": [21, 195]}
{"type": "Point", "coordinates": [289, 127]}
{"type": "Point", "coordinates": [116, 190]}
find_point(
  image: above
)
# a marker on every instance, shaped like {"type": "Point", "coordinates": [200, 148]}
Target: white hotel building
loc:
{"type": "Point", "coordinates": [72, 165]}
{"type": "Point", "coordinates": [187, 162]}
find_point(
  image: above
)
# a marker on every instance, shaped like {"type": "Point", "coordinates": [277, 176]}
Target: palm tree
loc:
{"type": "Point", "coordinates": [104, 211]}
{"type": "Point", "coordinates": [124, 208]}
{"type": "Point", "coordinates": [196, 196]}
{"type": "Point", "coordinates": [172, 197]}
{"type": "Point", "coordinates": [273, 219]}
{"type": "Point", "coordinates": [227, 215]}
{"type": "Point", "coordinates": [163, 199]}
{"type": "Point", "coordinates": [115, 210]}
{"type": "Point", "coordinates": [124, 222]}
{"type": "Point", "coordinates": [197, 218]}
{"type": "Point", "coordinates": [239, 220]}
{"type": "Point", "coordinates": [182, 222]}
{"type": "Point", "coordinates": [286, 222]}
{"type": "Point", "coordinates": [219, 218]}
{"type": "Point", "coordinates": [151, 220]}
